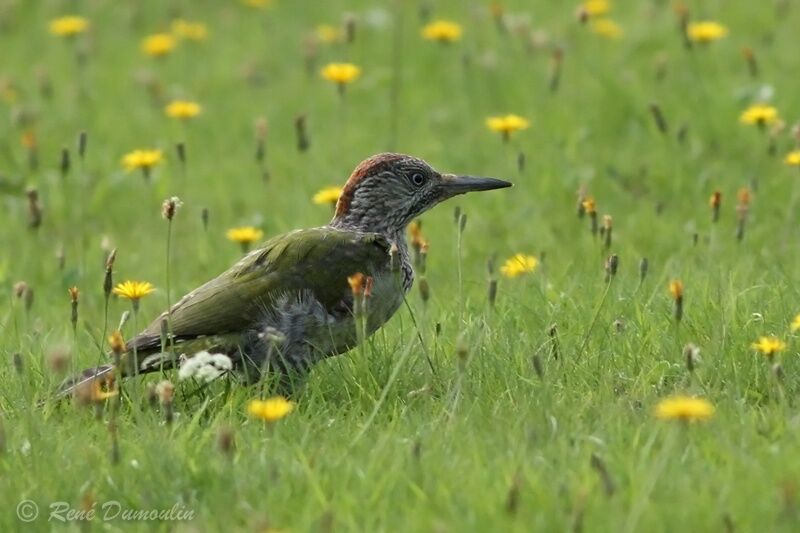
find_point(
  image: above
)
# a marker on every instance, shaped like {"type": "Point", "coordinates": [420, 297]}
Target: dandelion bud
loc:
{"type": "Point", "coordinates": [777, 371]}
{"type": "Point", "coordinates": [658, 116]}
{"type": "Point", "coordinates": [34, 208]}
{"type": "Point", "coordinates": [682, 133]}
{"type": "Point", "coordinates": [556, 63]}
{"type": "Point", "coordinates": [512, 499]}
{"type": "Point", "coordinates": [424, 290]}
{"type": "Point", "coordinates": [24, 292]}
{"type": "Point", "coordinates": [116, 343]}
{"type": "Point", "coordinates": [356, 282]}
{"type": "Point", "coordinates": [582, 14]}
{"type": "Point", "coordinates": [462, 350]}
{"type": "Point", "coordinates": [151, 395]}
{"type": "Point", "coordinates": [691, 354]}
{"type": "Point", "coordinates": [310, 52]}
{"type": "Point", "coordinates": [61, 258]}
{"type": "Point", "coordinates": [521, 162]}
{"type": "Point", "coordinates": [462, 222]}
{"type": "Point", "coordinates": [225, 440]}
{"type": "Point", "coordinates": [682, 12]}
{"type": "Point", "coordinates": [538, 367]}
{"type": "Point", "coordinates": [180, 151]}
{"type": "Point", "coordinates": [457, 214]}
{"type": "Point", "coordinates": [83, 139]}
{"type": "Point", "coordinates": [750, 58]}
{"type": "Point", "coordinates": [589, 207]}
{"type": "Point", "coordinates": [108, 280]}
{"type": "Point", "coordinates": [612, 263]}
{"type": "Point", "coordinates": [492, 291]}
{"type": "Point", "coordinates": [742, 209]}
{"type": "Point", "coordinates": [170, 206]}
{"type": "Point", "coordinates": [607, 226]}
{"type": "Point", "coordinates": [498, 15]}
{"type": "Point", "coordinates": [44, 84]}
{"type": "Point", "coordinates": [368, 285]}
{"type": "Point", "coordinates": [58, 359]}
{"type": "Point", "coordinates": [20, 288]}
{"type": "Point", "coordinates": [73, 297]}
{"type": "Point", "coordinates": [16, 360]}
{"type": "Point", "coordinates": [349, 28]}
{"type": "Point", "coordinates": [65, 162]}
{"type": "Point", "coordinates": [715, 201]}
{"type": "Point", "coordinates": [204, 214]}
{"type": "Point", "coordinates": [31, 145]}
{"type": "Point", "coordinates": [552, 332]}
{"type": "Point", "coordinates": [644, 265]}
{"type": "Point", "coordinates": [166, 391]}
{"type": "Point", "coordinates": [676, 291]}
{"type": "Point", "coordinates": [301, 132]}
{"type": "Point", "coordinates": [261, 139]}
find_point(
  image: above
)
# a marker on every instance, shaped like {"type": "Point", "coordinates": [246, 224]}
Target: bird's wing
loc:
{"type": "Point", "coordinates": [318, 260]}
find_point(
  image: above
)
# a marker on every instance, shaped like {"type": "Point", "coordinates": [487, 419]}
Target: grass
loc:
{"type": "Point", "coordinates": [379, 440]}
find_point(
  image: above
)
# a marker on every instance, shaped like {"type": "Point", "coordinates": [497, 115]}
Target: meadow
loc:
{"type": "Point", "coordinates": [632, 370]}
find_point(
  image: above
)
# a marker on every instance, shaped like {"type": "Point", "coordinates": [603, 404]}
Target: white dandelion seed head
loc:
{"type": "Point", "coordinates": [205, 367]}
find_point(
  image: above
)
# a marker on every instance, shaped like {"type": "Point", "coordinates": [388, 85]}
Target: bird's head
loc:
{"type": "Point", "coordinates": [387, 191]}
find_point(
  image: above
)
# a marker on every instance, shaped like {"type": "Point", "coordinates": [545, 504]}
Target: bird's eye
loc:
{"type": "Point", "coordinates": [417, 179]}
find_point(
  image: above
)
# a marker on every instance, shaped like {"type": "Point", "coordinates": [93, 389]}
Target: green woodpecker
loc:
{"type": "Point", "coordinates": [289, 304]}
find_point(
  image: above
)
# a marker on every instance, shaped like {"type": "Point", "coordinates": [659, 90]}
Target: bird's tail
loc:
{"type": "Point", "coordinates": [98, 381]}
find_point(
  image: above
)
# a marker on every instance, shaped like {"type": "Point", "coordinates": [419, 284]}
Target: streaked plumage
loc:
{"type": "Point", "coordinates": [288, 304]}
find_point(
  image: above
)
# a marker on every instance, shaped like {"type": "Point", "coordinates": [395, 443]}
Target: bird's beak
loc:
{"type": "Point", "coordinates": [454, 185]}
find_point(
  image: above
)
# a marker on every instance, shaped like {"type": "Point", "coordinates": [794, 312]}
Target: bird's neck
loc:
{"type": "Point", "coordinates": [394, 234]}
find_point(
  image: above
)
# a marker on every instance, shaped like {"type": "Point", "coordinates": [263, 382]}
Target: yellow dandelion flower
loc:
{"type": "Point", "coordinates": [271, 409]}
{"type": "Point", "coordinates": [182, 109]}
{"type": "Point", "coordinates": [327, 195]}
{"type": "Point", "coordinates": [507, 124]}
{"type": "Point", "coordinates": [244, 234]}
{"type": "Point", "coordinates": [792, 158]}
{"type": "Point", "coordinates": [443, 31]}
{"type": "Point", "coordinates": [518, 265]}
{"type": "Point", "coordinates": [340, 73]}
{"type": "Point", "coordinates": [96, 390]}
{"type": "Point", "coordinates": [759, 114]}
{"type": "Point", "coordinates": [769, 346]}
{"type": "Point", "coordinates": [589, 205]}
{"type": "Point", "coordinates": [607, 28]}
{"type": "Point", "coordinates": [329, 34]}
{"type": "Point", "coordinates": [158, 45]}
{"type": "Point", "coordinates": [595, 8]}
{"type": "Point", "coordinates": [68, 26]}
{"type": "Point", "coordinates": [116, 342]}
{"type": "Point", "coordinates": [706, 31]}
{"type": "Point", "coordinates": [257, 4]}
{"type": "Point", "coordinates": [142, 159]}
{"type": "Point", "coordinates": [133, 290]}
{"type": "Point", "coordinates": [685, 408]}
{"type": "Point", "coordinates": [796, 323]}
{"type": "Point", "coordinates": [676, 289]}
{"type": "Point", "coordinates": [189, 30]}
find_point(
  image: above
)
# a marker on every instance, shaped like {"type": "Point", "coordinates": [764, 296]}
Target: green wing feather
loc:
{"type": "Point", "coordinates": [316, 260]}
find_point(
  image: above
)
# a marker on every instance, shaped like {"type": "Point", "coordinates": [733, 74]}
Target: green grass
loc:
{"type": "Point", "coordinates": [378, 441]}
